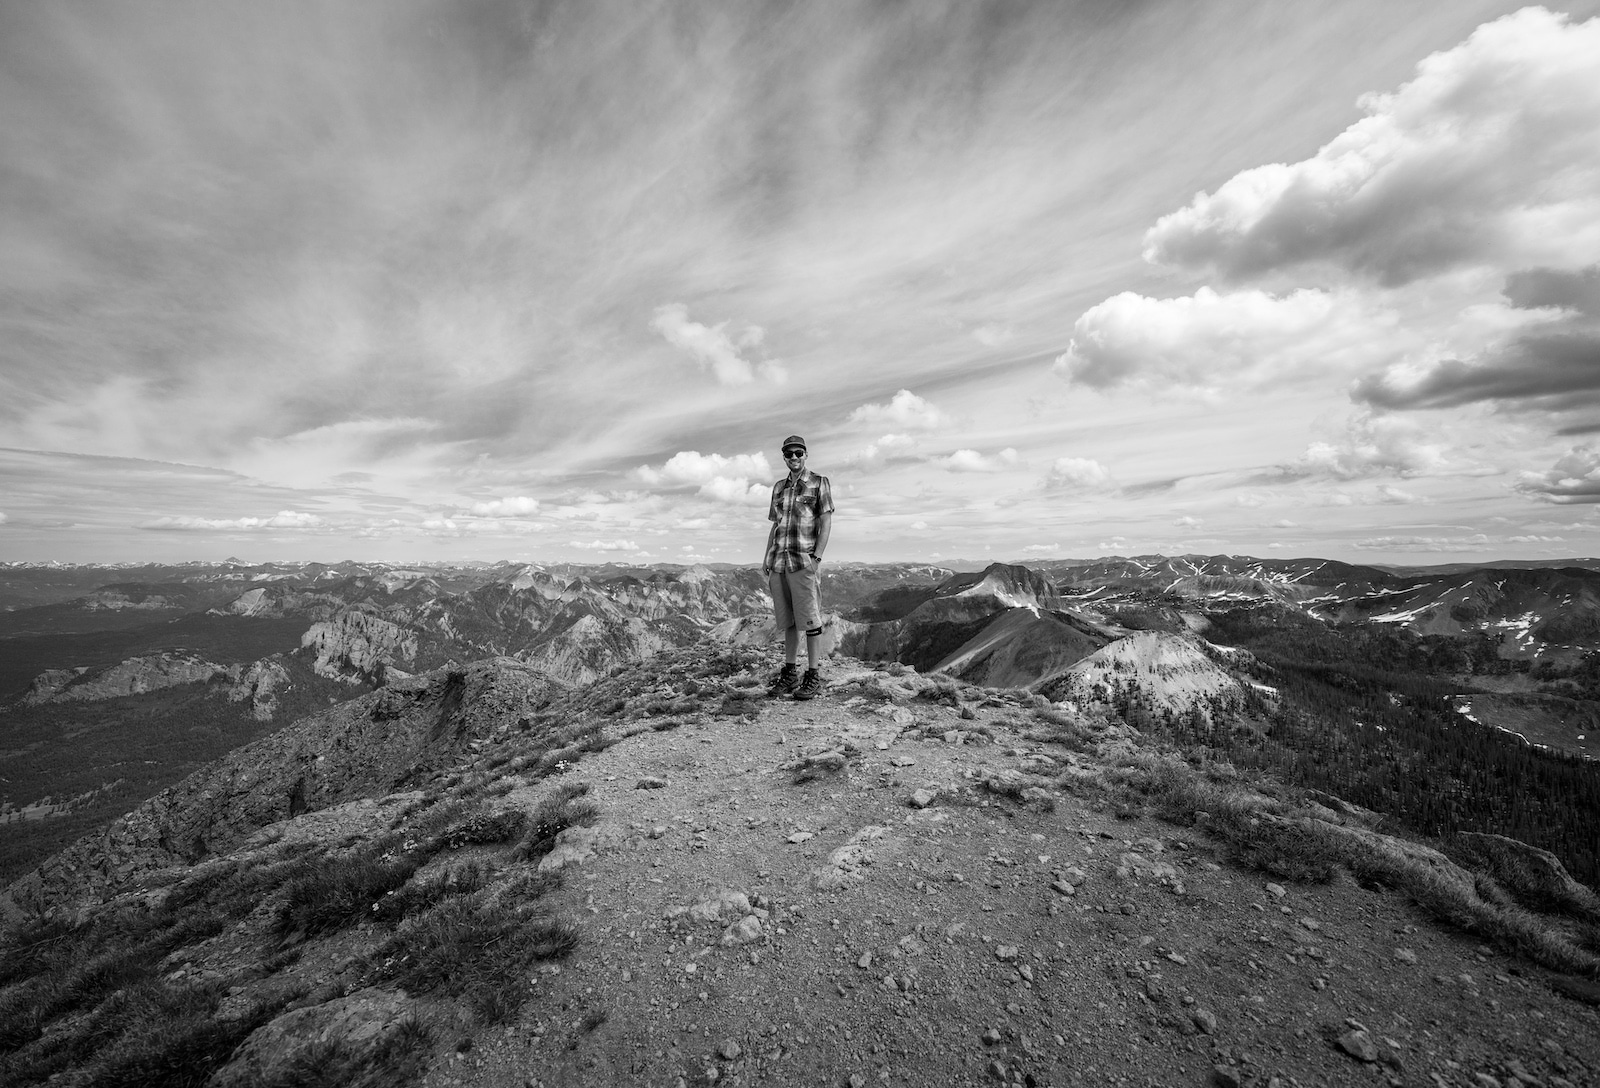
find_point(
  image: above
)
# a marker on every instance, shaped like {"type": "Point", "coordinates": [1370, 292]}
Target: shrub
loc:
{"type": "Point", "coordinates": [339, 894]}
{"type": "Point", "coordinates": [484, 827]}
{"type": "Point", "coordinates": [477, 949]}
{"type": "Point", "coordinates": [557, 812]}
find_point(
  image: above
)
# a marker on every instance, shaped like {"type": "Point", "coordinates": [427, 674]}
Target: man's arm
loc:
{"type": "Point", "coordinates": [772, 535]}
{"type": "Point", "coordinates": [824, 526]}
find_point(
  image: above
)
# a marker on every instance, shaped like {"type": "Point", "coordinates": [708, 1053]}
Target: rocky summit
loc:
{"type": "Point", "coordinates": [485, 875]}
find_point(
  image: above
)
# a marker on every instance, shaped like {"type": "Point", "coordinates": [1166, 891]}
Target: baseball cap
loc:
{"type": "Point", "coordinates": [792, 441]}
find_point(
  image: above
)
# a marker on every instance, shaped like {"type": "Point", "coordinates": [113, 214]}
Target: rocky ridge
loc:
{"type": "Point", "coordinates": [910, 881]}
{"type": "Point", "coordinates": [258, 682]}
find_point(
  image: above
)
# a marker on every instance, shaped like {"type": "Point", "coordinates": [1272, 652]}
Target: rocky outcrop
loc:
{"type": "Point", "coordinates": [355, 645]}
{"type": "Point", "coordinates": [366, 747]}
{"type": "Point", "coordinates": [134, 676]}
{"type": "Point", "coordinates": [343, 1039]}
{"type": "Point", "coordinates": [259, 682]}
{"type": "Point", "coordinates": [1534, 877]}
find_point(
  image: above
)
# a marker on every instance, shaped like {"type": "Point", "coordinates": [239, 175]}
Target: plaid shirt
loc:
{"type": "Point", "coordinates": [796, 509]}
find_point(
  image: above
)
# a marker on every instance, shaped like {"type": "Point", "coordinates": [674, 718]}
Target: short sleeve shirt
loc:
{"type": "Point", "coordinates": [795, 507]}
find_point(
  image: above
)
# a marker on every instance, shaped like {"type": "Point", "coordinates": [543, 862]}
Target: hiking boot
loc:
{"type": "Point", "coordinates": [787, 679]}
{"type": "Point", "coordinates": [810, 685]}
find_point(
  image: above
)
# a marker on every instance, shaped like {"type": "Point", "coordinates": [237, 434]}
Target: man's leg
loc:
{"type": "Point", "coordinates": [808, 614]}
{"type": "Point", "coordinates": [791, 646]}
{"type": "Point", "coordinates": [788, 678]}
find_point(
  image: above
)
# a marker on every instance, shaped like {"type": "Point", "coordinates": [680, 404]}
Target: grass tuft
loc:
{"type": "Point", "coordinates": [562, 809]}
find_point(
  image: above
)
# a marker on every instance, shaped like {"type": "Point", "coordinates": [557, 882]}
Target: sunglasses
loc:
{"type": "Point", "coordinates": [789, 454]}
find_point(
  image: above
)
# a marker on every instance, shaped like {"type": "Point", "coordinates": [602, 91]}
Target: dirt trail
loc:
{"type": "Point", "coordinates": [879, 943]}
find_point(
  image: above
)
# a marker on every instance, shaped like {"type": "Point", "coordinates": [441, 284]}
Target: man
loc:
{"type": "Point", "coordinates": [801, 512]}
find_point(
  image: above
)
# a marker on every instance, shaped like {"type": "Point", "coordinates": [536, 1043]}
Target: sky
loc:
{"type": "Point", "coordinates": [481, 279]}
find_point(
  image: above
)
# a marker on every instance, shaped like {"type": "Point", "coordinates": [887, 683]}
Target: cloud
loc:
{"type": "Point", "coordinates": [905, 409]}
{"type": "Point", "coordinates": [724, 479]}
{"type": "Point", "coordinates": [890, 447]}
{"type": "Point", "coordinates": [1476, 542]}
{"type": "Point", "coordinates": [1040, 549]}
{"type": "Point", "coordinates": [1377, 445]}
{"type": "Point", "coordinates": [1210, 340]}
{"type": "Point", "coordinates": [711, 347]}
{"type": "Point", "coordinates": [973, 461]}
{"type": "Point", "coordinates": [1187, 522]}
{"type": "Point", "coordinates": [1572, 480]}
{"type": "Point", "coordinates": [283, 519]}
{"type": "Point", "coordinates": [605, 545]}
{"type": "Point", "coordinates": [3, 518]}
{"type": "Point", "coordinates": [1078, 474]}
{"type": "Point", "coordinates": [693, 467]}
{"type": "Point", "coordinates": [512, 506]}
{"type": "Point", "coordinates": [1554, 364]}
{"type": "Point", "coordinates": [1491, 155]}
{"type": "Point", "coordinates": [1535, 539]}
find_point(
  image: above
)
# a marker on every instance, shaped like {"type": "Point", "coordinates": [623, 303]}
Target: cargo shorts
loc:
{"type": "Point", "coordinates": [794, 599]}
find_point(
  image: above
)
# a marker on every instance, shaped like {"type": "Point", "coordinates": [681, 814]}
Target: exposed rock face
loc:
{"type": "Point", "coordinates": [258, 682]}
{"type": "Point", "coordinates": [357, 644]}
{"type": "Point", "coordinates": [363, 748]}
{"type": "Point", "coordinates": [134, 676]}
{"type": "Point", "coordinates": [354, 1032]}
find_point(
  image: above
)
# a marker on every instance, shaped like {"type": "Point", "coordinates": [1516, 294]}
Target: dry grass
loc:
{"type": "Point", "coordinates": [1264, 835]}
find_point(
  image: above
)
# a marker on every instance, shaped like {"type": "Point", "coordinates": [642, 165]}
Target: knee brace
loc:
{"type": "Point", "coordinates": [813, 632]}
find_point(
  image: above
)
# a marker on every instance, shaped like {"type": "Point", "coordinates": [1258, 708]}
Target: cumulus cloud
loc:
{"type": "Point", "coordinates": [283, 519]}
{"type": "Point", "coordinates": [724, 479]}
{"type": "Point", "coordinates": [1378, 445]}
{"type": "Point", "coordinates": [891, 447]}
{"type": "Point", "coordinates": [713, 348]}
{"type": "Point", "coordinates": [1535, 539]}
{"type": "Point", "coordinates": [1187, 522]}
{"type": "Point", "coordinates": [1572, 480]}
{"type": "Point", "coordinates": [1553, 364]}
{"type": "Point", "coordinates": [693, 467]}
{"type": "Point", "coordinates": [905, 409]}
{"type": "Point", "coordinates": [3, 518]}
{"type": "Point", "coordinates": [973, 461]}
{"type": "Point", "coordinates": [1491, 155]}
{"type": "Point", "coordinates": [512, 506]}
{"type": "Point", "coordinates": [1212, 339]}
{"type": "Point", "coordinates": [1078, 474]}
{"type": "Point", "coordinates": [605, 545]}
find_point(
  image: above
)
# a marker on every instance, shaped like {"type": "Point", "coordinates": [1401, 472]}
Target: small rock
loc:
{"type": "Point", "coordinates": [865, 961]}
{"type": "Point", "coordinates": [903, 761]}
{"type": "Point", "coordinates": [991, 1037]}
{"type": "Point", "coordinates": [1063, 887]}
{"type": "Point", "coordinates": [997, 1071]}
{"type": "Point", "coordinates": [1204, 1019]}
{"type": "Point", "coordinates": [1026, 972]}
{"type": "Point", "coordinates": [801, 836]}
{"type": "Point", "coordinates": [1359, 1045]}
{"type": "Point", "coordinates": [650, 782]}
{"type": "Point", "coordinates": [858, 1080]}
{"type": "Point", "coordinates": [1311, 924]}
{"type": "Point", "coordinates": [1006, 952]}
{"type": "Point", "coordinates": [1406, 956]}
{"type": "Point", "coordinates": [729, 1050]}
{"type": "Point", "coordinates": [1277, 891]}
{"type": "Point", "coordinates": [658, 831]}
{"type": "Point", "coordinates": [955, 736]}
{"type": "Point", "coordinates": [1319, 983]}
{"type": "Point", "coordinates": [923, 798]}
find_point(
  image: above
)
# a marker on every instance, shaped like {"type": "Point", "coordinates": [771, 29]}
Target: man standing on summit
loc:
{"type": "Point", "coordinates": [801, 512]}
